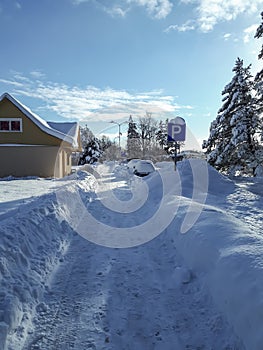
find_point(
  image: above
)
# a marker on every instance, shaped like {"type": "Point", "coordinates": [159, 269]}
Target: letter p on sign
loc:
{"type": "Point", "coordinates": [176, 130]}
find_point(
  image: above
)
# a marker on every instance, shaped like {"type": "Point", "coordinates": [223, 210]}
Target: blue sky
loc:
{"type": "Point", "coordinates": [100, 60]}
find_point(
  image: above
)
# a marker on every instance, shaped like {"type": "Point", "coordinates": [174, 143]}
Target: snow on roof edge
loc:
{"type": "Point", "coordinates": [68, 128]}
{"type": "Point", "coordinates": [41, 123]}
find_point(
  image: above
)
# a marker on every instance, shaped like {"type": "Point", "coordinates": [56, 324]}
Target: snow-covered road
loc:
{"type": "Point", "coordinates": [138, 298]}
{"type": "Point", "coordinates": [197, 290]}
{"type": "Point", "coordinates": [142, 298]}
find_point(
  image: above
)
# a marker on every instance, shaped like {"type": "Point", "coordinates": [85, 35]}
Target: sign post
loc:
{"type": "Point", "coordinates": [176, 132]}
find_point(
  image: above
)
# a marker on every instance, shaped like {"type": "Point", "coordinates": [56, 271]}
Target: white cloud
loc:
{"type": "Point", "coordinates": [187, 26]}
{"type": "Point", "coordinates": [211, 12]}
{"type": "Point", "coordinates": [227, 36]}
{"type": "Point", "coordinates": [156, 8]}
{"type": "Point", "coordinates": [12, 83]}
{"type": "Point", "coordinates": [249, 33]}
{"type": "Point", "coordinates": [90, 103]}
{"type": "Point", "coordinates": [37, 74]}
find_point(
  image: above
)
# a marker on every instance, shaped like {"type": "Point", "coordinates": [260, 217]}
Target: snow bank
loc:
{"type": "Point", "coordinates": [31, 244]}
{"type": "Point", "coordinates": [33, 239]}
{"type": "Point", "coordinates": [228, 256]}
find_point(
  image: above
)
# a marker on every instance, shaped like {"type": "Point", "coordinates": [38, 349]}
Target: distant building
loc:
{"type": "Point", "coordinates": [30, 146]}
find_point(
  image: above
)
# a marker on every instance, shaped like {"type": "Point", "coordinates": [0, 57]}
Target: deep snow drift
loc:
{"type": "Point", "coordinates": [201, 289]}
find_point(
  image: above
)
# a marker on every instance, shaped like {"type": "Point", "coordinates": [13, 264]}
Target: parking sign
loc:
{"type": "Point", "coordinates": [176, 130]}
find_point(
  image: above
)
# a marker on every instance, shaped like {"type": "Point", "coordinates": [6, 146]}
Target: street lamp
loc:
{"type": "Point", "coordinates": [119, 134]}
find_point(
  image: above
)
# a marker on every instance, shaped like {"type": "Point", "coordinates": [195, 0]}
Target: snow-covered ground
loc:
{"type": "Point", "coordinates": [155, 281]}
{"type": "Point", "coordinates": [15, 192]}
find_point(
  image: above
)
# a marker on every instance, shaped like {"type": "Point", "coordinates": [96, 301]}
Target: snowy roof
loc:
{"type": "Point", "coordinates": [67, 132]}
{"type": "Point", "coordinates": [70, 128]}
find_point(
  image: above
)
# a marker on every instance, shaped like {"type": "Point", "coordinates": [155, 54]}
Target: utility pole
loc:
{"type": "Point", "coordinates": [119, 132]}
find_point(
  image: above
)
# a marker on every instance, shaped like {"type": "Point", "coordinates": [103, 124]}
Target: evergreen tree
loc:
{"type": "Point", "coordinates": [86, 135]}
{"type": "Point", "coordinates": [161, 133]}
{"type": "Point", "coordinates": [259, 75]}
{"type": "Point", "coordinates": [232, 143]}
{"type": "Point", "coordinates": [162, 139]}
{"type": "Point", "coordinates": [133, 140]}
{"type": "Point", "coordinates": [258, 86]}
{"type": "Point", "coordinates": [92, 152]}
{"type": "Point", "coordinates": [105, 142]}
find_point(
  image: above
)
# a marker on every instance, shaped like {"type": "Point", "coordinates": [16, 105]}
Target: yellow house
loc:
{"type": "Point", "coordinates": [30, 146]}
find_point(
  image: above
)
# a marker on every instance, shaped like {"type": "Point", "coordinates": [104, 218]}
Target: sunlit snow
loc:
{"type": "Point", "coordinates": [201, 289]}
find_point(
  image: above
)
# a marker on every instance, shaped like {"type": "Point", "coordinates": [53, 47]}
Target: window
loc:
{"type": "Point", "coordinates": [11, 125]}
{"type": "Point", "coordinates": [68, 159]}
{"type": "Point", "coordinates": [4, 125]}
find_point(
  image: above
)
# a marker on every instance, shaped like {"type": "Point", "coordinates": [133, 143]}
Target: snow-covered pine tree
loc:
{"type": "Point", "coordinates": [162, 138]}
{"type": "Point", "coordinates": [161, 133]}
{"type": "Point", "coordinates": [215, 144]}
{"type": "Point", "coordinates": [133, 140]}
{"type": "Point", "coordinates": [259, 75]}
{"type": "Point", "coordinates": [92, 152]}
{"type": "Point", "coordinates": [233, 143]}
{"type": "Point", "coordinates": [86, 135]}
{"type": "Point", "coordinates": [105, 142]}
{"type": "Point", "coordinates": [245, 126]}
{"type": "Point", "coordinates": [258, 86]}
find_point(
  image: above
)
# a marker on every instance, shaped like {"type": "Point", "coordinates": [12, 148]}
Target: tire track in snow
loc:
{"type": "Point", "coordinates": [141, 298]}
{"type": "Point", "coordinates": [125, 300]}
{"type": "Point", "coordinates": [72, 311]}
{"type": "Point", "coordinates": [161, 305]}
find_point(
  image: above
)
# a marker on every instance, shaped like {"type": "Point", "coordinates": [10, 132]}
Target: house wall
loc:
{"type": "Point", "coordinates": [36, 154]}
{"type": "Point", "coordinates": [42, 161]}
{"type": "Point", "coordinates": [63, 163]}
{"type": "Point", "coordinates": [31, 133]}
